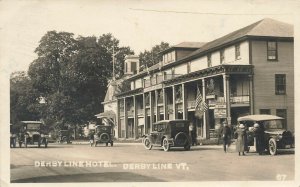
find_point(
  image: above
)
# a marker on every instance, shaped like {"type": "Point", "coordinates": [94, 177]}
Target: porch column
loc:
{"type": "Point", "coordinates": [174, 103]}
{"type": "Point", "coordinates": [125, 118]}
{"type": "Point", "coordinates": [165, 103]}
{"type": "Point", "coordinates": [205, 129]}
{"type": "Point", "coordinates": [227, 98]}
{"type": "Point", "coordinates": [184, 102]}
{"type": "Point", "coordinates": [117, 121]}
{"type": "Point", "coordinates": [251, 94]}
{"type": "Point", "coordinates": [151, 110]}
{"type": "Point", "coordinates": [156, 106]}
{"type": "Point", "coordinates": [135, 117]}
{"type": "Point", "coordinates": [145, 114]}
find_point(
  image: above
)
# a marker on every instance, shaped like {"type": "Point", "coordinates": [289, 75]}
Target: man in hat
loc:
{"type": "Point", "coordinates": [226, 135]}
{"type": "Point", "coordinates": [259, 138]}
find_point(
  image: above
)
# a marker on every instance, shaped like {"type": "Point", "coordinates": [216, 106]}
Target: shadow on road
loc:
{"type": "Point", "coordinates": [91, 177]}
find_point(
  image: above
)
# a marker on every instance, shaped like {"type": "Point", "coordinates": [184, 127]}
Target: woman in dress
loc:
{"type": "Point", "coordinates": [241, 139]}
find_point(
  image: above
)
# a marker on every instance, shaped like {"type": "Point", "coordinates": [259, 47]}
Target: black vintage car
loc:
{"type": "Point", "coordinates": [275, 135]}
{"type": "Point", "coordinates": [33, 132]}
{"type": "Point", "coordinates": [103, 134]}
{"type": "Point", "coordinates": [169, 133]}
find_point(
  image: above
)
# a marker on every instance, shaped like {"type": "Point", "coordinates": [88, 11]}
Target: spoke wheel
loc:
{"type": "Point", "coordinates": [147, 144]}
{"type": "Point", "coordinates": [272, 147]}
{"type": "Point", "coordinates": [166, 145]}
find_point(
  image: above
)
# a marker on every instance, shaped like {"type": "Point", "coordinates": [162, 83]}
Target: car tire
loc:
{"type": "Point", "coordinates": [111, 144]}
{"type": "Point", "coordinates": [147, 144]}
{"type": "Point", "coordinates": [20, 144]}
{"type": "Point", "coordinates": [46, 143]}
{"type": "Point", "coordinates": [95, 144]}
{"type": "Point", "coordinates": [106, 144]}
{"type": "Point", "coordinates": [103, 135]}
{"type": "Point", "coordinates": [272, 147]}
{"type": "Point", "coordinates": [166, 145]}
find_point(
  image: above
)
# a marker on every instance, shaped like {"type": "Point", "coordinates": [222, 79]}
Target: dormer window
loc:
{"type": "Point", "coordinates": [169, 57]}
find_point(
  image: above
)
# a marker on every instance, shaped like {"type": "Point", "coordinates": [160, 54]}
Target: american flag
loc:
{"type": "Point", "coordinates": [200, 105]}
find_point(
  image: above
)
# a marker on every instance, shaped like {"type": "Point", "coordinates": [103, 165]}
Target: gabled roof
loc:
{"type": "Point", "coordinates": [184, 45]}
{"type": "Point", "coordinates": [265, 27]}
{"type": "Point", "coordinates": [189, 45]}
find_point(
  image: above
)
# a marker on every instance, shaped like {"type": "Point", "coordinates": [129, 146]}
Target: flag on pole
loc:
{"type": "Point", "coordinates": [200, 105]}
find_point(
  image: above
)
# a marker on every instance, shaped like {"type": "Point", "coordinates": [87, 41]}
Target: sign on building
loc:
{"type": "Point", "coordinates": [220, 110]}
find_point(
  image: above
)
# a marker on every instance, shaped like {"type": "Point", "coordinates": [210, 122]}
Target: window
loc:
{"type": "Point", "coordinates": [173, 72]}
{"type": "Point", "coordinates": [133, 67]}
{"type": "Point", "coordinates": [282, 113]}
{"type": "Point", "coordinates": [222, 57]}
{"type": "Point", "coordinates": [272, 50]}
{"type": "Point", "coordinates": [237, 52]}
{"type": "Point", "coordinates": [280, 84]}
{"type": "Point", "coordinates": [188, 67]}
{"type": "Point", "coordinates": [209, 60]}
{"type": "Point", "coordinates": [265, 111]}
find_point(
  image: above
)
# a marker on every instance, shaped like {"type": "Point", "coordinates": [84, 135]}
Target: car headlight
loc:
{"type": "Point", "coordinates": [42, 135]}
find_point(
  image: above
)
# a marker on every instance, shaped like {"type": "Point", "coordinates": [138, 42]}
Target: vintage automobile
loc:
{"type": "Point", "coordinates": [103, 134]}
{"type": "Point", "coordinates": [64, 136]}
{"type": "Point", "coordinates": [32, 132]}
{"type": "Point", "coordinates": [275, 135]}
{"type": "Point", "coordinates": [169, 133]}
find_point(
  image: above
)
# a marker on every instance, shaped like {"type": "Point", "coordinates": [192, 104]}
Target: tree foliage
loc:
{"type": "Point", "coordinates": [71, 74]}
{"type": "Point", "coordinates": [149, 58]}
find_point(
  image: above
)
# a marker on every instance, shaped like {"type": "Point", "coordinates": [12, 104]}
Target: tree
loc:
{"type": "Point", "coordinates": [72, 75]}
{"type": "Point", "coordinates": [24, 102]}
{"type": "Point", "coordinates": [149, 58]}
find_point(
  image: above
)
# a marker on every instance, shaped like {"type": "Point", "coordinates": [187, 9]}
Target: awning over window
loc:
{"type": "Point", "coordinates": [106, 114]}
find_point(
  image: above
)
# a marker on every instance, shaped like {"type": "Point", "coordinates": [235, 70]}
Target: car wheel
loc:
{"type": "Point", "coordinates": [166, 145]}
{"type": "Point", "coordinates": [106, 144]}
{"type": "Point", "coordinates": [64, 140]}
{"type": "Point", "coordinates": [272, 147]}
{"type": "Point", "coordinates": [46, 143]}
{"type": "Point", "coordinates": [20, 144]}
{"type": "Point", "coordinates": [95, 144]}
{"type": "Point", "coordinates": [147, 143]}
{"type": "Point", "coordinates": [14, 143]}
{"type": "Point", "coordinates": [39, 144]}
{"type": "Point", "coordinates": [187, 147]}
{"type": "Point", "coordinates": [111, 143]}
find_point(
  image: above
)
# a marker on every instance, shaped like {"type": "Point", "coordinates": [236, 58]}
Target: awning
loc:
{"type": "Point", "coordinates": [106, 114]}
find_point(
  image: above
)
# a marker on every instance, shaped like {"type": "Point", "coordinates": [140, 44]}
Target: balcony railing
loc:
{"type": "Point", "coordinates": [191, 104]}
{"type": "Point", "coordinates": [171, 76]}
{"type": "Point", "coordinates": [236, 99]}
{"type": "Point", "coordinates": [140, 111]}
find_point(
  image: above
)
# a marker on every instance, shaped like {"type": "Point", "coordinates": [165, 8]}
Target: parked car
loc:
{"type": "Point", "coordinates": [275, 135]}
{"type": "Point", "coordinates": [33, 132]}
{"type": "Point", "coordinates": [64, 136]}
{"type": "Point", "coordinates": [103, 134]}
{"type": "Point", "coordinates": [169, 133]}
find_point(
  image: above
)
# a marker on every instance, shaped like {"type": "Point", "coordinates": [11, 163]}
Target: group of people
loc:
{"type": "Point", "coordinates": [241, 142]}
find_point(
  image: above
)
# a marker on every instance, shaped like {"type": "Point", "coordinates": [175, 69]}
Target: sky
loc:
{"type": "Point", "coordinates": [136, 23]}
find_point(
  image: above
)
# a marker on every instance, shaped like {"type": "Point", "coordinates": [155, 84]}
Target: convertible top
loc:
{"type": "Point", "coordinates": [259, 117]}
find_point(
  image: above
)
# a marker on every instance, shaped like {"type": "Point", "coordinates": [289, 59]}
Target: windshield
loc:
{"type": "Point", "coordinates": [273, 124]}
{"type": "Point", "coordinates": [33, 126]}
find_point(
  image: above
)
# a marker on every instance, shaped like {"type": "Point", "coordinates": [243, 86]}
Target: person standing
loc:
{"type": "Point", "coordinates": [226, 136]}
{"type": "Point", "coordinates": [192, 130]}
{"type": "Point", "coordinates": [241, 142]}
{"type": "Point", "coordinates": [259, 139]}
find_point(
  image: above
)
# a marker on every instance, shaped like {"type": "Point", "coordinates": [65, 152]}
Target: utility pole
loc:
{"type": "Point", "coordinates": [113, 57]}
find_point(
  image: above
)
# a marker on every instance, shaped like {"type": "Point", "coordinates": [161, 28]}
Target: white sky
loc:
{"type": "Point", "coordinates": [134, 23]}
